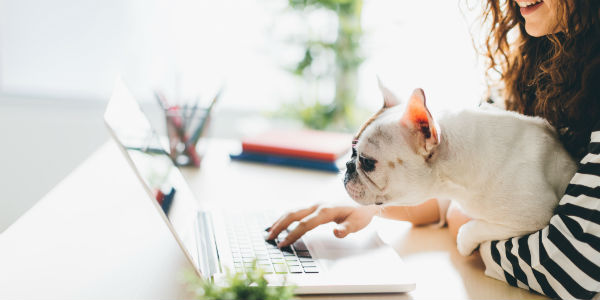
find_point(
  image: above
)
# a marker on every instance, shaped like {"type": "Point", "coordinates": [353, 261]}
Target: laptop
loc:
{"type": "Point", "coordinates": [215, 241]}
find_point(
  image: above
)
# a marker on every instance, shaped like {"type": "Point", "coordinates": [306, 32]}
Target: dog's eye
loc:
{"type": "Point", "coordinates": [367, 164]}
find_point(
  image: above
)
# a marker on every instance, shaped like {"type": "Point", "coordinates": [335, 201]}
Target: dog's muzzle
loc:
{"type": "Point", "coordinates": [350, 171]}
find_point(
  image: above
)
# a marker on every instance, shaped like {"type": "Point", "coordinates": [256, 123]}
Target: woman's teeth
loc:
{"type": "Point", "coordinates": [528, 3]}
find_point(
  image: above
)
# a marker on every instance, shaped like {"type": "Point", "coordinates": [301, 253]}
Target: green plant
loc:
{"type": "Point", "coordinates": [339, 113]}
{"type": "Point", "coordinates": [248, 285]}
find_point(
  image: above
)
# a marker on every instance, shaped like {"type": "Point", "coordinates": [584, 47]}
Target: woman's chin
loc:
{"type": "Point", "coordinates": [535, 31]}
{"type": "Point", "coordinates": [539, 29]}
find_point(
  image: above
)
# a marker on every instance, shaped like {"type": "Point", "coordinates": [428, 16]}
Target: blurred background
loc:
{"type": "Point", "coordinates": [302, 63]}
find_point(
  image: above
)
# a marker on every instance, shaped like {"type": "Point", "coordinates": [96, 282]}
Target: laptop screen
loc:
{"type": "Point", "coordinates": [162, 180]}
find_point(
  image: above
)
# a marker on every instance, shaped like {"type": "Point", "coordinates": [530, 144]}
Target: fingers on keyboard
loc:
{"type": "Point", "coordinates": [284, 221]}
{"type": "Point", "coordinates": [307, 224]}
{"type": "Point", "coordinates": [248, 247]}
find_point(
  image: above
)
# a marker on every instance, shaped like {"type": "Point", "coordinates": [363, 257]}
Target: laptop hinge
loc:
{"type": "Point", "coordinates": [208, 255]}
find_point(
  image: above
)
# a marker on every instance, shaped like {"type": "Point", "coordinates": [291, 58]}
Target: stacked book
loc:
{"type": "Point", "coordinates": [311, 149]}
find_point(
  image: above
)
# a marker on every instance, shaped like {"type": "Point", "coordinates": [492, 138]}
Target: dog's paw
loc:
{"type": "Point", "coordinates": [466, 249]}
{"type": "Point", "coordinates": [465, 243]}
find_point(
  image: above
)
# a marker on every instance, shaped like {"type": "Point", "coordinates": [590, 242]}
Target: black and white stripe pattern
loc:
{"type": "Point", "coordinates": [563, 259]}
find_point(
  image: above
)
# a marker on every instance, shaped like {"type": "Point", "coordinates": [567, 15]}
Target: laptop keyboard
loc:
{"type": "Point", "coordinates": [247, 243]}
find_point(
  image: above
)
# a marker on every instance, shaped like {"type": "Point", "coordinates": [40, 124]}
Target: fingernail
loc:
{"type": "Point", "coordinates": [266, 236]}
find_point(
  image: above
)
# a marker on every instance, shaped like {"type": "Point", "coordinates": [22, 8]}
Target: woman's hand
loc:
{"type": "Point", "coordinates": [349, 218]}
{"type": "Point", "coordinates": [455, 218]}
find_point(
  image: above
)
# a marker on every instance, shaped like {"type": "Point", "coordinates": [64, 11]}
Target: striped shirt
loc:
{"type": "Point", "coordinates": [563, 259]}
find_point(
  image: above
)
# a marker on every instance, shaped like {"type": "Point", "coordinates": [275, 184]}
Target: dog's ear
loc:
{"type": "Point", "coordinates": [418, 119]}
{"type": "Point", "coordinates": [389, 99]}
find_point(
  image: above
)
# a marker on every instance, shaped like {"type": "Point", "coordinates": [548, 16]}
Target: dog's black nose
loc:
{"type": "Point", "coordinates": [350, 167]}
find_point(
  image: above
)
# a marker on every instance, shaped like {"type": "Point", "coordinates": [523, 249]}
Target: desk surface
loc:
{"type": "Point", "coordinates": [96, 235]}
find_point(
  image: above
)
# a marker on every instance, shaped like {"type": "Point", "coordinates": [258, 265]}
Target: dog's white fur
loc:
{"type": "Point", "coordinates": [507, 171]}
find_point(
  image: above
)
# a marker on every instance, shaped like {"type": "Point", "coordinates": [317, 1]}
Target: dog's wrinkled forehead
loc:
{"type": "Point", "coordinates": [366, 124]}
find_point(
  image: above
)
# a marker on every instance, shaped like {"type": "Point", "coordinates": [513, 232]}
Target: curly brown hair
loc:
{"type": "Point", "coordinates": [557, 76]}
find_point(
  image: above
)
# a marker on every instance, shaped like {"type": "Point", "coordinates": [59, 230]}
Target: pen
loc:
{"type": "Point", "coordinates": [161, 100]}
{"type": "Point", "coordinates": [198, 131]}
{"type": "Point", "coordinates": [193, 111]}
{"type": "Point", "coordinates": [184, 116]}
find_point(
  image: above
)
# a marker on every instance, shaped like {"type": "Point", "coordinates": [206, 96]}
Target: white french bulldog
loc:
{"type": "Point", "coordinates": [506, 171]}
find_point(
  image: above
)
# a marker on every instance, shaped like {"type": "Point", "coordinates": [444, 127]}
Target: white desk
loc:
{"type": "Point", "coordinates": [96, 235]}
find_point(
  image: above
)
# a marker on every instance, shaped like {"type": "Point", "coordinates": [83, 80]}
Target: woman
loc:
{"type": "Point", "coordinates": [551, 70]}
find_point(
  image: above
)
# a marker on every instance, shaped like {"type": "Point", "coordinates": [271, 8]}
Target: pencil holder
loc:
{"type": "Point", "coordinates": [186, 129]}
{"type": "Point", "coordinates": [184, 143]}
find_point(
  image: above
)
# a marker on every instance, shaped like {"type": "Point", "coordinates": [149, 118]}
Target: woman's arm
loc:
{"type": "Point", "coordinates": [455, 218]}
{"type": "Point", "coordinates": [563, 259]}
{"type": "Point", "coordinates": [425, 213]}
{"type": "Point", "coordinates": [353, 218]}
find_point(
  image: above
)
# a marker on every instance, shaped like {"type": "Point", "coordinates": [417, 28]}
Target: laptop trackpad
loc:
{"type": "Point", "coordinates": [362, 251]}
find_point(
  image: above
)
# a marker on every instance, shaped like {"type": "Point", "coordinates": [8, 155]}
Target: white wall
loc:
{"type": "Point", "coordinates": [40, 145]}
{"type": "Point", "coordinates": [74, 49]}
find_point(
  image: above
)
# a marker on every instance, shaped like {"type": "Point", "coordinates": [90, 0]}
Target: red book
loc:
{"type": "Point", "coordinates": [301, 143]}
